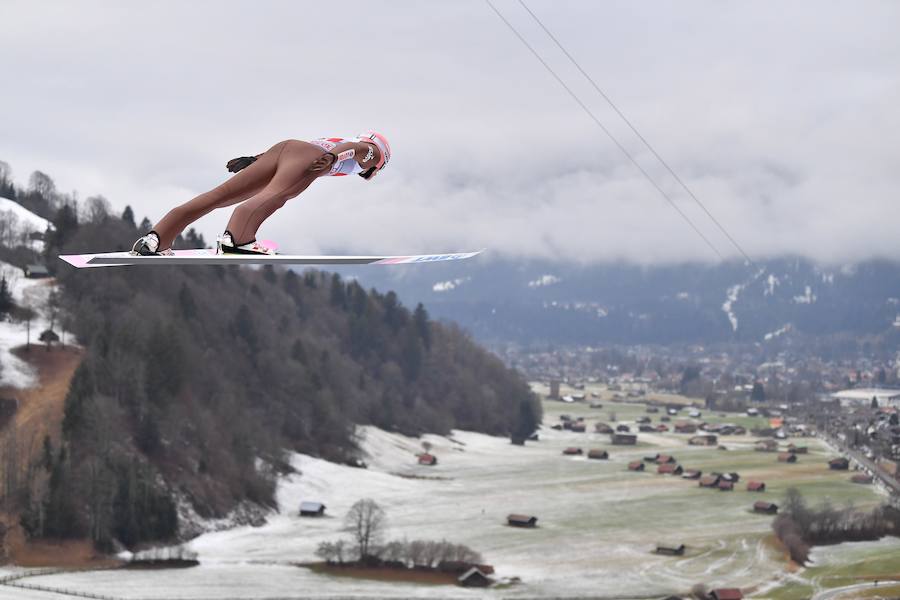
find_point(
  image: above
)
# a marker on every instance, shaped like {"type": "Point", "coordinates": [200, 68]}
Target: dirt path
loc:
{"type": "Point", "coordinates": [41, 408]}
{"type": "Point", "coordinates": [40, 413]}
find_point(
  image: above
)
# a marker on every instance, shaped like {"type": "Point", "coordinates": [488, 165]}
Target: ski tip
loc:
{"type": "Point", "coordinates": [426, 258]}
{"type": "Point", "coordinates": [78, 261]}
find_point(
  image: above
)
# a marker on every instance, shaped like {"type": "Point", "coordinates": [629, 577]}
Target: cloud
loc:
{"type": "Point", "coordinates": [779, 121]}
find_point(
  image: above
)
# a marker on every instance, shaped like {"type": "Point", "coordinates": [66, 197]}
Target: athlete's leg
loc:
{"type": "Point", "coordinates": [291, 177]}
{"type": "Point", "coordinates": [244, 184]}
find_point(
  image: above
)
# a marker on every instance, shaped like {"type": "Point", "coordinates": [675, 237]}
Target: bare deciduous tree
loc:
{"type": "Point", "coordinates": [366, 522]}
{"type": "Point", "coordinates": [393, 551]}
{"type": "Point", "coordinates": [415, 551]}
{"type": "Point", "coordinates": [96, 209]}
{"type": "Point", "coordinates": [42, 184]}
{"type": "Point", "coordinates": [325, 551]}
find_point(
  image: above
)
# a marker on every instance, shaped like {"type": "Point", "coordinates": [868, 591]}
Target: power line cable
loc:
{"type": "Point", "coordinates": [638, 134]}
{"type": "Point", "coordinates": [606, 131]}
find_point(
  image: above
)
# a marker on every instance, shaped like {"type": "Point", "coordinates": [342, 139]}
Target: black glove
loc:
{"type": "Point", "coordinates": [236, 164]}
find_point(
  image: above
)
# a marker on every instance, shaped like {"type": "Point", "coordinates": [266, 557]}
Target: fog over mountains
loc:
{"type": "Point", "coordinates": [771, 303]}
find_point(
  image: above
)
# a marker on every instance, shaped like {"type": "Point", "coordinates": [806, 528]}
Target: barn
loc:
{"type": "Point", "coordinates": [624, 439]}
{"type": "Point", "coordinates": [704, 440]}
{"type": "Point", "coordinates": [515, 520]}
{"type": "Point", "coordinates": [602, 428]}
{"type": "Point", "coordinates": [474, 578]}
{"type": "Point", "coordinates": [427, 459]}
{"type": "Point", "coordinates": [839, 464]}
{"type": "Point", "coordinates": [312, 509]}
{"type": "Point", "coordinates": [763, 507]}
{"type": "Point", "coordinates": [670, 549]}
{"type": "Point", "coordinates": [669, 469]}
{"type": "Point", "coordinates": [756, 486]}
{"type": "Point", "coordinates": [709, 481]}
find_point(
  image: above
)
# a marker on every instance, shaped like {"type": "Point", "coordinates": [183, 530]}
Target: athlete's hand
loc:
{"type": "Point", "coordinates": [236, 164]}
{"type": "Point", "coordinates": [322, 163]}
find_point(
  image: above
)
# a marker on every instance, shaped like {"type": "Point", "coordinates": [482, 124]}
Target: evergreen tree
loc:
{"type": "Point", "coordinates": [420, 318]}
{"type": "Point", "coordinates": [291, 285]}
{"type": "Point", "coordinates": [186, 302]}
{"type": "Point", "coordinates": [269, 274]}
{"type": "Point", "coordinates": [65, 225]}
{"type": "Point", "coordinates": [6, 301]}
{"type": "Point", "coordinates": [411, 359]}
{"type": "Point", "coordinates": [164, 364]}
{"type": "Point", "coordinates": [242, 327]}
{"type": "Point", "coordinates": [393, 312]}
{"type": "Point", "coordinates": [47, 455]}
{"type": "Point", "coordinates": [527, 419]}
{"type": "Point", "coordinates": [81, 389]}
{"type": "Point", "coordinates": [128, 216]}
{"type": "Point", "coordinates": [145, 225]}
{"type": "Point", "coordinates": [759, 393]}
{"type": "Point", "coordinates": [338, 296]}
{"type": "Point", "coordinates": [193, 239]}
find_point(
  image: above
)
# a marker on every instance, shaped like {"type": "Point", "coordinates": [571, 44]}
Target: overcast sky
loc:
{"type": "Point", "coordinates": [781, 116]}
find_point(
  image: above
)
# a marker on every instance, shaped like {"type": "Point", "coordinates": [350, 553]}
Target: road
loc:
{"type": "Point", "coordinates": [889, 482]}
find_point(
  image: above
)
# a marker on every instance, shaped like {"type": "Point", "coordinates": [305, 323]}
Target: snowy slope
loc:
{"type": "Point", "coordinates": [31, 293]}
{"type": "Point", "coordinates": [25, 218]}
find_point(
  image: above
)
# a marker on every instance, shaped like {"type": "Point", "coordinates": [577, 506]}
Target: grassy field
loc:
{"type": "Point", "coordinates": [810, 475]}
{"type": "Point", "coordinates": [598, 523]}
{"type": "Point", "coordinates": [846, 565]}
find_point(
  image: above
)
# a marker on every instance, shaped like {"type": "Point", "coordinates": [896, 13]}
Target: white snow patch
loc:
{"type": "Point", "coordinates": [777, 333]}
{"type": "Point", "coordinates": [446, 286]}
{"type": "Point", "coordinates": [33, 294]}
{"type": "Point", "coordinates": [20, 222]}
{"type": "Point", "coordinates": [807, 298]}
{"type": "Point", "coordinates": [683, 296]}
{"type": "Point", "coordinates": [544, 280]}
{"type": "Point", "coordinates": [828, 278]}
{"type": "Point", "coordinates": [771, 282]}
{"type": "Point", "coordinates": [731, 297]}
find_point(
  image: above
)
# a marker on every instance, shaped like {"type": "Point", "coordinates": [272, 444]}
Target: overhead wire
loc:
{"type": "Point", "coordinates": [608, 133]}
{"type": "Point", "coordinates": [634, 129]}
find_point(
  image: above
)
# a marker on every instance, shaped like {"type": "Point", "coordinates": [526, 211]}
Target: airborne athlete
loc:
{"type": "Point", "coordinates": [262, 185]}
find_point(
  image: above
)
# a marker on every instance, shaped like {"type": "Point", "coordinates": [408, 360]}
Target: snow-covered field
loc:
{"type": "Point", "coordinates": [31, 293]}
{"type": "Point", "coordinates": [598, 523]}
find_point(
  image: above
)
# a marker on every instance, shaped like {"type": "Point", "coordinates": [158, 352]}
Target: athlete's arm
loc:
{"type": "Point", "coordinates": [364, 154]}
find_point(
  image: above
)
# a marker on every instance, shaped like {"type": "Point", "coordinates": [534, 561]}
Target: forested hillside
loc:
{"type": "Point", "coordinates": [195, 380]}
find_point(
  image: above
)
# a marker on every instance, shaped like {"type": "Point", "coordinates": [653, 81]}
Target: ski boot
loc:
{"type": "Point", "coordinates": [225, 245]}
{"type": "Point", "coordinates": [148, 245]}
